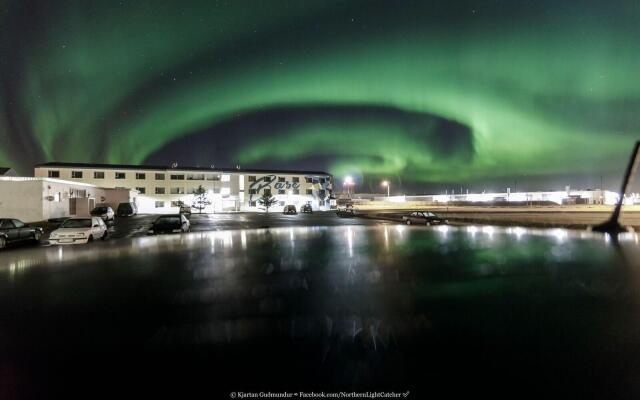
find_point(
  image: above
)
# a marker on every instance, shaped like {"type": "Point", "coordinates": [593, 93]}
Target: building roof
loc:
{"type": "Point", "coordinates": [6, 171]}
{"type": "Point", "coordinates": [178, 168]}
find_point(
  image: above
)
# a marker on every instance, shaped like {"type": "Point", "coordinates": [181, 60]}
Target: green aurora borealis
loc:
{"type": "Point", "coordinates": [511, 87]}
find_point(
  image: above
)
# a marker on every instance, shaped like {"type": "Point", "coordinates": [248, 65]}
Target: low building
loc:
{"type": "Point", "coordinates": [566, 197]}
{"type": "Point", "coordinates": [162, 189]}
{"type": "Point", "coordinates": [41, 199]}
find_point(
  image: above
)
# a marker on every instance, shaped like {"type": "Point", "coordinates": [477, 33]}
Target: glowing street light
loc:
{"type": "Point", "coordinates": [386, 184]}
{"type": "Point", "coordinates": [348, 181]}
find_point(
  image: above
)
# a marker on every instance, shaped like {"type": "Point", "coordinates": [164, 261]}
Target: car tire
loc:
{"type": "Point", "coordinates": [408, 222]}
{"type": "Point", "coordinates": [3, 243]}
{"type": "Point", "coordinates": [90, 239]}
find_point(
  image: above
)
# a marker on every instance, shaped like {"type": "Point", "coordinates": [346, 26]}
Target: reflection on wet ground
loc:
{"type": "Point", "coordinates": [444, 309]}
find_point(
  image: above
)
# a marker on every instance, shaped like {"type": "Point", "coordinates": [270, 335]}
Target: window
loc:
{"type": "Point", "coordinates": [141, 190]}
{"type": "Point", "coordinates": [195, 177]}
{"type": "Point", "coordinates": [281, 203]}
{"type": "Point", "coordinates": [177, 177]}
{"type": "Point", "coordinates": [216, 190]}
{"type": "Point", "coordinates": [309, 191]}
{"type": "Point", "coordinates": [252, 204]}
{"type": "Point", "coordinates": [53, 174]}
{"type": "Point", "coordinates": [76, 174]}
{"type": "Point", "coordinates": [18, 224]}
{"type": "Point", "coordinates": [296, 191]}
{"type": "Point", "coordinates": [225, 178]}
{"type": "Point", "coordinates": [225, 191]}
{"type": "Point", "coordinates": [267, 192]}
{"type": "Point", "coordinates": [295, 179]}
{"type": "Point", "coordinates": [121, 175]}
{"type": "Point", "coordinates": [281, 179]}
{"type": "Point", "coordinates": [6, 224]}
{"type": "Point", "coordinates": [308, 180]}
{"type": "Point", "coordinates": [159, 177]}
{"type": "Point", "coordinates": [141, 175]}
{"type": "Point", "coordinates": [159, 190]}
{"type": "Point", "coordinates": [252, 178]}
{"type": "Point", "coordinates": [253, 191]}
{"type": "Point", "coordinates": [159, 204]}
{"type": "Point", "coordinates": [321, 193]}
{"type": "Point", "coordinates": [280, 191]}
{"type": "Point", "coordinates": [176, 204]}
{"type": "Point", "coordinates": [98, 175]}
{"type": "Point", "coordinates": [213, 177]}
{"type": "Point", "coordinates": [321, 203]}
{"type": "Point", "coordinates": [177, 190]}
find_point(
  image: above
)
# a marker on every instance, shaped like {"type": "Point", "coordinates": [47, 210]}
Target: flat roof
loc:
{"type": "Point", "coordinates": [178, 168]}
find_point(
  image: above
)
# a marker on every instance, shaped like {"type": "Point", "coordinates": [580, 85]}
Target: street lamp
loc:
{"type": "Point", "coordinates": [348, 181]}
{"type": "Point", "coordinates": [386, 184]}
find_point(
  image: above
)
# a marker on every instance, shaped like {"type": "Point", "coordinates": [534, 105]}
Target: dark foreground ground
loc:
{"type": "Point", "coordinates": [441, 312]}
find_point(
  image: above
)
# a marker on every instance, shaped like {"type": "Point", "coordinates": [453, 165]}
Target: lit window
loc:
{"type": "Point", "coordinates": [225, 178]}
{"type": "Point", "coordinates": [225, 191]}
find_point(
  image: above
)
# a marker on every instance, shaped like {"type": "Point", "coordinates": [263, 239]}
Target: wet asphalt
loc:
{"type": "Point", "coordinates": [439, 312]}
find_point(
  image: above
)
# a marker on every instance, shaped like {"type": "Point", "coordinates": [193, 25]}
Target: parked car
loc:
{"type": "Point", "coordinates": [306, 208]}
{"type": "Point", "coordinates": [290, 209]}
{"type": "Point", "coordinates": [14, 230]}
{"type": "Point", "coordinates": [347, 212]}
{"type": "Point", "coordinates": [424, 218]}
{"type": "Point", "coordinates": [104, 212]}
{"type": "Point", "coordinates": [173, 223]}
{"type": "Point", "coordinates": [127, 209]}
{"type": "Point", "coordinates": [184, 209]}
{"type": "Point", "coordinates": [79, 230]}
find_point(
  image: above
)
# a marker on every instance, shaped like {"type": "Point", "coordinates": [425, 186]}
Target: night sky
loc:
{"type": "Point", "coordinates": [427, 94]}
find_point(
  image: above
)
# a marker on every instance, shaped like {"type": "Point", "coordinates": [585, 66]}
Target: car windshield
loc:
{"type": "Point", "coordinates": [124, 207]}
{"type": "Point", "coordinates": [76, 223]}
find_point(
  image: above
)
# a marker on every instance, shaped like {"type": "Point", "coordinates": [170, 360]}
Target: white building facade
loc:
{"type": "Point", "coordinates": [161, 189]}
{"type": "Point", "coordinates": [40, 199]}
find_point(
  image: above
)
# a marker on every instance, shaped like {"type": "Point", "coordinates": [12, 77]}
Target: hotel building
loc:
{"type": "Point", "coordinates": [162, 189]}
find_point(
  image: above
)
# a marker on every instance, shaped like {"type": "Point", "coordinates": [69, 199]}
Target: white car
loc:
{"type": "Point", "coordinates": [79, 230]}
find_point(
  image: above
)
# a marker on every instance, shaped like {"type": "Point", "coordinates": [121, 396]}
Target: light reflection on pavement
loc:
{"type": "Point", "coordinates": [328, 307]}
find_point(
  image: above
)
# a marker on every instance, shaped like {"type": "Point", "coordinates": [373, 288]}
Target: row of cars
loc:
{"type": "Point", "coordinates": [106, 213]}
{"type": "Point", "coordinates": [291, 209]}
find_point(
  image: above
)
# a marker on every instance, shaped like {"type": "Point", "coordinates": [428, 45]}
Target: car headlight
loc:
{"type": "Point", "coordinates": [54, 235]}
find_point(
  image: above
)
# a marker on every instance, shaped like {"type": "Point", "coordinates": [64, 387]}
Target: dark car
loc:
{"type": "Point", "coordinates": [306, 208]}
{"type": "Point", "coordinates": [424, 218]}
{"type": "Point", "coordinates": [173, 223]}
{"type": "Point", "coordinates": [289, 209]}
{"type": "Point", "coordinates": [14, 230]}
{"type": "Point", "coordinates": [127, 209]}
{"type": "Point", "coordinates": [104, 212]}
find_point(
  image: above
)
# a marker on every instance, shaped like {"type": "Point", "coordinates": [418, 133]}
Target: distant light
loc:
{"type": "Point", "coordinates": [348, 180]}
{"type": "Point", "coordinates": [385, 183]}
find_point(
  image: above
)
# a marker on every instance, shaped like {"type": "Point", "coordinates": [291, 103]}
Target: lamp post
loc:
{"type": "Point", "coordinates": [386, 184]}
{"type": "Point", "coordinates": [348, 181]}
